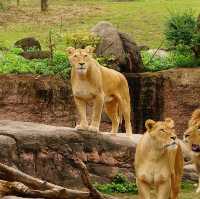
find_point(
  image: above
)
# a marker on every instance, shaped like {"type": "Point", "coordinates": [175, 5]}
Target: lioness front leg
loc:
{"type": "Point", "coordinates": [96, 115]}
{"type": "Point", "coordinates": [164, 190]}
{"type": "Point", "coordinates": [144, 190]}
{"type": "Point", "coordinates": [81, 106]}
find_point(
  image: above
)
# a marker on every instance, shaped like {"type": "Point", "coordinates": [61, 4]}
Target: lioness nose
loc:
{"type": "Point", "coordinates": [173, 137]}
{"type": "Point", "coordinates": [81, 63]}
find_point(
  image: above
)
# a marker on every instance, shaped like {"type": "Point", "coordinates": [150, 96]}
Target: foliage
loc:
{"type": "Point", "coordinates": [181, 31]}
{"type": "Point", "coordinates": [106, 61]}
{"type": "Point", "coordinates": [187, 186]}
{"type": "Point", "coordinates": [173, 60]}
{"type": "Point", "coordinates": [119, 184]}
{"type": "Point", "coordinates": [4, 4]}
{"type": "Point", "coordinates": [81, 39]}
{"type": "Point", "coordinates": [12, 62]}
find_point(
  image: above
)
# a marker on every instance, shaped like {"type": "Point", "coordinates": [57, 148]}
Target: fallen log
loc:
{"type": "Point", "coordinates": [28, 186]}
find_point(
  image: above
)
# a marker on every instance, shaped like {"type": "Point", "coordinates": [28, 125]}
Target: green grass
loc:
{"type": "Point", "coordinates": [124, 189]}
{"type": "Point", "coordinates": [187, 192]}
{"type": "Point", "coordinates": [143, 19]}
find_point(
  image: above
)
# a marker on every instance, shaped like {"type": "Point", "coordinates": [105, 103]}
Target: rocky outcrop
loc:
{"type": "Point", "coordinates": [28, 43]}
{"type": "Point", "coordinates": [37, 98]}
{"type": "Point", "coordinates": [126, 53]}
{"type": "Point", "coordinates": [46, 151]}
{"type": "Point", "coordinates": [172, 93]}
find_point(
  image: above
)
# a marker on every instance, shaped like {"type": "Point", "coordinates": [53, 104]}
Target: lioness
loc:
{"type": "Point", "coordinates": [104, 86]}
{"type": "Point", "coordinates": [159, 161]}
{"type": "Point", "coordinates": [192, 139]}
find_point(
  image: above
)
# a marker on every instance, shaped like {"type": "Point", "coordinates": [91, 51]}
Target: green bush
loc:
{"type": "Point", "coordinates": [173, 60]}
{"type": "Point", "coordinates": [12, 62]}
{"type": "Point", "coordinates": [81, 39]}
{"type": "Point", "coordinates": [181, 31]}
{"type": "Point", "coordinates": [4, 4]}
{"type": "Point", "coordinates": [119, 184]}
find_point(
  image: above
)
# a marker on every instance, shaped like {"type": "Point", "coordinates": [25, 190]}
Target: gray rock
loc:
{"type": "Point", "coordinates": [111, 43]}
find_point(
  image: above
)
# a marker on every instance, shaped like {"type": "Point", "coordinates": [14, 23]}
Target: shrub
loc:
{"type": "Point", "coordinates": [12, 62]}
{"type": "Point", "coordinates": [181, 32]}
{"type": "Point", "coordinates": [81, 39]}
{"type": "Point", "coordinates": [173, 60]}
{"type": "Point", "coordinates": [119, 184]}
{"type": "Point", "coordinates": [4, 4]}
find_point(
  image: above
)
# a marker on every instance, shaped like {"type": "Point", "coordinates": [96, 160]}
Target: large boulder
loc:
{"type": "Point", "coordinates": [113, 43]}
{"type": "Point", "coordinates": [46, 152]}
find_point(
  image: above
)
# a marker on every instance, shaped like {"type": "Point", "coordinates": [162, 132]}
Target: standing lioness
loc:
{"type": "Point", "coordinates": [159, 161]}
{"type": "Point", "coordinates": [104, 86]}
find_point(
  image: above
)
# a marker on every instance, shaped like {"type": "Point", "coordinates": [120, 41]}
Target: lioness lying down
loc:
{"type": "Point", "coordinates": [192, 139]}
{"type": "Point", "coordinates": [92, 82]}
{"type": "Point", "coordinates": [159, 161]}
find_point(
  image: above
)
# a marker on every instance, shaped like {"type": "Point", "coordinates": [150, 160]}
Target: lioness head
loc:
{"type": "Point", "coordinates": [192, 134]}
{"type": "Point", "coordinates": [80, 59]}
{"type": "Point", "coordinates": [162, 133]}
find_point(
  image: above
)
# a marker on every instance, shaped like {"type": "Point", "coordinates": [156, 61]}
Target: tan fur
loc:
{"type": "Point", "coordinates": [159, 161]}
{"type": "Point", "coordinates": [103, 86]}
{"type": "Point", "coordinates": [191, 137]}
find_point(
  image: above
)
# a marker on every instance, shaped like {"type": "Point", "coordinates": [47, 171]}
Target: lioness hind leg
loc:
{"type": "Point", "coordinates": [112, 110]}
{"type": "Point", "coordinates": [81, 106]}
{"type": "Point", "coordinates": [126, 111]}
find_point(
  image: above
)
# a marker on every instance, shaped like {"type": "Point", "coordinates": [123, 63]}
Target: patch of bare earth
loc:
{"type": "Point", "coordinates": [53, 16]}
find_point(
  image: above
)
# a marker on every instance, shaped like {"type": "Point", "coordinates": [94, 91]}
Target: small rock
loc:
{"type": "Point", "coordinates": [27, 43]}
{"type": "Point", "coordinates": [158, 53]}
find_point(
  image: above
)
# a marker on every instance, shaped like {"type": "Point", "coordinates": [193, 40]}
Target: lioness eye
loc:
{"type": "Point", "coordinates": [85, 55]}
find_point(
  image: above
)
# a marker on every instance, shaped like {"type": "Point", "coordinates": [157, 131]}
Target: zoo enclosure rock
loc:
{"type": "Point", "coordinates": [126, 53]}
{"type": "Point", "coordinates": [171, 93]}
{"type": "Point", "coordinates": [46, 152]}
{"type": "Point", "coordinates": [37, 98]}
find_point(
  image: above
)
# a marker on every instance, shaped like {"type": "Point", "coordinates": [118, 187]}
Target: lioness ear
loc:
{"type": "Point", "coordinates": [169, 122]}
{"type": "Point", "coordinates": [89, 49]}
{"type": "Point", "coordinates": [70, 50]}
{"type": "Point", "coordinates": [149, 124]}
{"type": "Point", "coordinates": [195, 118]}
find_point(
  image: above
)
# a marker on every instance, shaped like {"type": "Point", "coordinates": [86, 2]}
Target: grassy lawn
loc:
{"type": "Point", "coordinates": [143, 19]}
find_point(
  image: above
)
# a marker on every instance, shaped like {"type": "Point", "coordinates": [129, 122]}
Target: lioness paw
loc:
{"type": "Point", "coordinates": [81, 127]}
{"type": "Point", "coordinates": [93, 129]}
{"type": "Point", "coordinates": [198, 190]}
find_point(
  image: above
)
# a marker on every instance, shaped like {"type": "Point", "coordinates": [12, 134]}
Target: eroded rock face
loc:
{"type": "Point", "coordinates": [172, 93]}
{"type": "Point", "coordinates": [46, 151]}
{"type": "Point", "coordinates": [42, 99]}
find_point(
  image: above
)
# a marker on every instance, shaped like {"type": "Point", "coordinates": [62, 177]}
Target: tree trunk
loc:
{"type": "Point", "coordinates": [44, 5]}
{"type": "Point", "coordinates": [21, 184]}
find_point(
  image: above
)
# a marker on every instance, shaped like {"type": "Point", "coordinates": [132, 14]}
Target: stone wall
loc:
{"type": "Point", "coordinates": [172, 93]}
{"type": "Point", "coordinates": [46, 152]}
{"type": "Point", "coordinates": [41, 99]}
